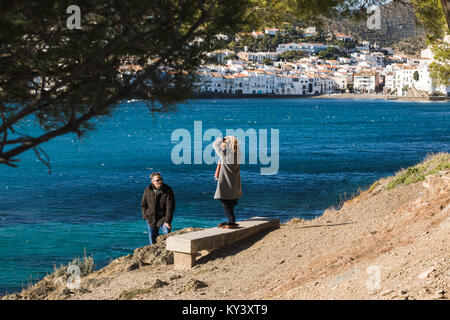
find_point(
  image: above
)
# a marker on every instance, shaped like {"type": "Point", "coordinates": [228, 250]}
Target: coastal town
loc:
{"type": "Point", "coordinates": [364, 68]}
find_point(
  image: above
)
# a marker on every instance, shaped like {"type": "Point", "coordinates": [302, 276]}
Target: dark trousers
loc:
{"type": "Point", "coordinates": [228, 208]}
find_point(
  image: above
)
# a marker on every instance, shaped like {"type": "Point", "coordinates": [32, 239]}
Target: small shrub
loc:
{"type": "Point", "coordinates": [440, 167]}
{"type": "Point", "coordinates": [408, 176]}
{"type": "Point", "coordinates": [432, 164]}
{"type": "Point", "coordinates": [86, 265]}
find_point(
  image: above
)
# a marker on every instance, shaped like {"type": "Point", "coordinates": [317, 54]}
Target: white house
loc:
{"type": "Point", "coordinates": [283, 47]}
{"type": "Point", "coordinates": [366, 81]}
{"type": "Point", "coordinates": [389, 81]}
{"type": "Point", "coordinates": [258, 56]}
{"type": "Point", "coordinates": [220, 54]}
{"type": "Point", "coordinates": [343, 37]}
{"type": "Point", "coordinates": [310, 32]}
{"type": "Point", "coordinates": [344, 60]}
{"type": "Point", "coordinates": [341, 80]}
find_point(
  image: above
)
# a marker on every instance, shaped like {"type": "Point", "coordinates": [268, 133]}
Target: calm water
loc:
{"type": "Point", "coordinates": [92, 198]}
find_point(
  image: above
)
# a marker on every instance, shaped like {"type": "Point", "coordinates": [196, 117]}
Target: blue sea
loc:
{"type": "Point", "coordinates": [91, 199]}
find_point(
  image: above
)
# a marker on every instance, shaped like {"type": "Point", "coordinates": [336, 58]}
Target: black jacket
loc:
{"type": "Point", "coordinates": [158, 210]}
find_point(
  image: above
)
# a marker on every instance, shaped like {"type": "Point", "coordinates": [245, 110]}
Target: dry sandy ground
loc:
{"type": "Point", "coordinates": [383, 244]}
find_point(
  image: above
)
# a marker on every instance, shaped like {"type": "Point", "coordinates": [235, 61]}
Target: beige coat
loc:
{"type": "Point", "coordinates": [229, 182]}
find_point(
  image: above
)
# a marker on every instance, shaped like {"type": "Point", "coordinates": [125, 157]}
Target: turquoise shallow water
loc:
{"type": "Point", "coordinates": [92, 198]}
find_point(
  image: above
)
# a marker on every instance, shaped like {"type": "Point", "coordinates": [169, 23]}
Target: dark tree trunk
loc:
{"type": "Point", "coordinates": [446, 7]}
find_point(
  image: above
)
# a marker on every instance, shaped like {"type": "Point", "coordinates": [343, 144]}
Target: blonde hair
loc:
{"type": "Point", "coordinates": [234, 142]}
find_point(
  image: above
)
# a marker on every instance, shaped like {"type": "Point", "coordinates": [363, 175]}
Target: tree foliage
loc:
{"type": "Point", "coordinates": [434, 15]}
{"type": "Point", "coordinates": [330, 53]}
{"type": "Point", "coordinates": [62, 78]}
{"type": "Point", "coordinates": [431, 15]}
{"type": "Point", "coordinates": [267, 61]}
{"type": "Point", "coordinates": [292, 55]}
{"type": "Point", "coordinates": [440, 68]}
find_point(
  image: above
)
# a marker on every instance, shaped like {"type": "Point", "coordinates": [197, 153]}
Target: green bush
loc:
{"type": "Point", "coordinates": [432, 164]}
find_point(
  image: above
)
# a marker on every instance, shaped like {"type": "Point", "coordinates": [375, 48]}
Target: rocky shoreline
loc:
{"type": "Point", "coordinates": [380, 96]}
{"type": "Point", "coordinates": [219, 95]}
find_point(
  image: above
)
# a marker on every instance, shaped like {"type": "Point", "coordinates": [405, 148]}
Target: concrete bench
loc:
{"type": "Point", "coordinates": [186, 246]}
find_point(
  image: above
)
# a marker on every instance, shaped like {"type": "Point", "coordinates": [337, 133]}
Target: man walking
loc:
{"type": "Point", "coordinates": [158, 205]}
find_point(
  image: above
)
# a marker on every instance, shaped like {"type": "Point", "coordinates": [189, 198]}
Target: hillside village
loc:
{"type": "Point", "coordinates": [363, 67]}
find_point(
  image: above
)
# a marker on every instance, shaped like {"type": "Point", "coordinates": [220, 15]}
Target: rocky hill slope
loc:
{"type": "Point", "coordinates": [397, 22]}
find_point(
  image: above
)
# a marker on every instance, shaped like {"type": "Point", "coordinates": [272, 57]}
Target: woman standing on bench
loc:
{"type": "Point", "coordinates": [228, 177]}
